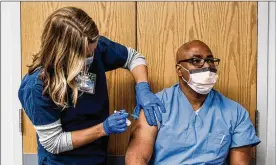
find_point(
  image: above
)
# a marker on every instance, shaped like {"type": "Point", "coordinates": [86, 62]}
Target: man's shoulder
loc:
{"type": "Point", "coordinates": [167, 92]}
{"type": "Point", "coordinates": [226, 102]}
{"type": "Point", "coordinates": [222, 98]}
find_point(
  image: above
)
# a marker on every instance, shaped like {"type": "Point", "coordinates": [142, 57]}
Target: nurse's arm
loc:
{"type": "Point", "coordinates": [55, 140]}
{"type": "Point", "coordinates": [141, 142]}
{"type": "Point", "coordinates": [88, 135]}
{"type": "Point", "coordinates": [240, 156]}
{"type": "Point", "coordinates": [136, 63]}
{"type": "Point", "coordinates": [140, 73]}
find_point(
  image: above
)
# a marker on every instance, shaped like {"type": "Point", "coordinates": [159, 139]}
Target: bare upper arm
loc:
{"type": "Point", "coordinates": [240, 156]}
{"type": "Point", "coordinates": [142, 140]}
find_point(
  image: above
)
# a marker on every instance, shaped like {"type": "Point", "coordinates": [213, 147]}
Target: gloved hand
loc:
{"type": "Point", "coordinates": [115, 123]}
{"type": "Point", "coordinates": [150, 103]}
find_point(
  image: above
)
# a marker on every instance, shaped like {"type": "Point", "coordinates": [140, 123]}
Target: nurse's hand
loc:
{"type": "Point", "coordinates": [115, 123]}
{"type": "Point", "coordinates": [150, 103]}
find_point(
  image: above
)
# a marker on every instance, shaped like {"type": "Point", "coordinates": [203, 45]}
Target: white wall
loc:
{"type": "Point", "coordinates": [266, 82]}
{"type": "Point", "coordinates": [270, 148]}
{"type": "Point", "coordinates": [11, 138]}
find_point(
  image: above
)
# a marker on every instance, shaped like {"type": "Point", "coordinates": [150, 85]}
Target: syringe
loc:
{"type": "Point", "coordinates": [128, 122]}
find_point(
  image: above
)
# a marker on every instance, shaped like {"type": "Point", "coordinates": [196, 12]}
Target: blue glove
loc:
{"type": "Point", "coordinates": [115, 123]}
{"type": "Point", "coordinates": [150, 103]}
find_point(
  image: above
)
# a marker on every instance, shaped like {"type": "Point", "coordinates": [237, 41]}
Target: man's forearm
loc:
{"type": "Point", "coordinates": [88, 135]}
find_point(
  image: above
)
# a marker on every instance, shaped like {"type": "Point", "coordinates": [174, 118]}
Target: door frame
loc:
{"type": "Point", "coordinates": [11, 136]}
{"type": "Point", "coordinates": [266, 83]}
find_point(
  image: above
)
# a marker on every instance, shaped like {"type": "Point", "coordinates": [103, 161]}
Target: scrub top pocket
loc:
{"type": "Point", "coordinates": [217, 144]}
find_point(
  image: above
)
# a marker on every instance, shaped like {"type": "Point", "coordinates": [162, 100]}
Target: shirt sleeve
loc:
{"type": "Point", "coordinates": [40, 109]}
{"type": "Point", "coordinates": [45, 116]}
{"type": "Point", "coordinates": [114, 55]}
{"type": "Point", "coordinates": [162, 95]}
{"type": "Point", "coordinates": [134, 59]}
{"type": "Point", "coordinates": [244, 133]}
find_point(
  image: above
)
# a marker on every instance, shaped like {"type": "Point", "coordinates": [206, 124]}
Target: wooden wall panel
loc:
{"type": "Point", "coordinates": [229, 28]}
{"type": "Point", "coordinates": [115, 20]}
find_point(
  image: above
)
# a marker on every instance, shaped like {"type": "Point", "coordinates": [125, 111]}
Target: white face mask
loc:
{"type": "Point", "coordinates": [201, 80]}
{"type": "Point", "coordinates": [89, 60]}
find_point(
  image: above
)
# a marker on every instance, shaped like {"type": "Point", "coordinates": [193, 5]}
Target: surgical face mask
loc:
{"type": "Point", "coordinates": [201, 80]}
{"type": "Point", "coordinates": [86, 81]}
{"type": "Point", "coordinates": [89, 60]}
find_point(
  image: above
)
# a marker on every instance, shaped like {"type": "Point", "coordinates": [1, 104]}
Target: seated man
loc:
{"type": "Point", "coordinates": [200, 126]}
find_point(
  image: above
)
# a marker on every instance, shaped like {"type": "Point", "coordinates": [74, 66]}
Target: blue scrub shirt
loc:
{"type": "Point", "coordinates": [89, 111]}
{"type": "Point", "coordinates": [187, 138]}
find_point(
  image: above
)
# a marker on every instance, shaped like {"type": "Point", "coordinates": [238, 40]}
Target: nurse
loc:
{"type": "Point", "coordinates": [65, 93]}
{"type": "Point", "coordinates": [200, 126]}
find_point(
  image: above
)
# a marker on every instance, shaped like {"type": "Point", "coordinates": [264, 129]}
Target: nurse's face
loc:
{"type": "Point", "coordinates": [91, 48]}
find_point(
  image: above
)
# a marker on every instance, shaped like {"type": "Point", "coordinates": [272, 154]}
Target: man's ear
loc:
{"type": "Point", "coordinates": [178, 71]}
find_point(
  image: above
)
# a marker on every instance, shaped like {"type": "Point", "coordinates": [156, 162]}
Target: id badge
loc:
{"type": "Point", "coordinates": [86, 82]}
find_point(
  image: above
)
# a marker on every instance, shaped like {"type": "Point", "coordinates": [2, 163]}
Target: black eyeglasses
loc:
{"type": "Point", "coordinates": [200, 61]}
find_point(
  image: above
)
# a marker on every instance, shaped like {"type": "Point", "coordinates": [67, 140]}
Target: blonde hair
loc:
{"type": "Point", "coordinates": [64, 46]}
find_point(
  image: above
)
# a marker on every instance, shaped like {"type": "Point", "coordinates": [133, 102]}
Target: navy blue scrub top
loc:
{"type": "Point", "coordinates": [89, 111]}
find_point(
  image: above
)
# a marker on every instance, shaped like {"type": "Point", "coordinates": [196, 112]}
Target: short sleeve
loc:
{"type": "Point", "coordinates": [162, 96]}
{"type": "Point", "coordinates": [41, 110]}
{"type": "Point", "coordinates": [114, 55]}
{"type": "Point", "coordinates": [244, 133]}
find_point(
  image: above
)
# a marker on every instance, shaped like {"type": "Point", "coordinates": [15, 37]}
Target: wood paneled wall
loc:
{"type": "Point", "coordinates": [158, 29]}
{"type": "Point", "coordinates": [229, 28]}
